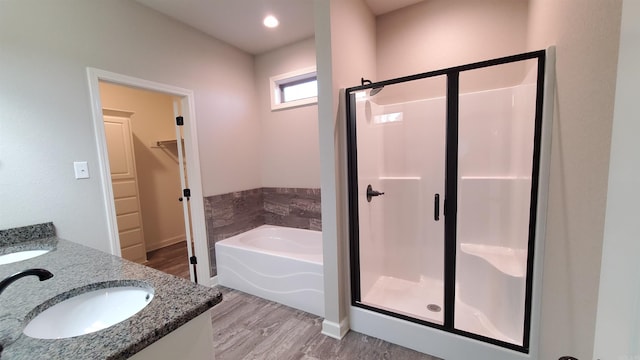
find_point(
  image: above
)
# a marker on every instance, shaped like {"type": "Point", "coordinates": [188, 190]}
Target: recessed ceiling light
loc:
{"type": "Point", "coordinates": [270, 21]}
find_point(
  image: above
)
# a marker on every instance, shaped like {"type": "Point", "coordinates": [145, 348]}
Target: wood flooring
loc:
{"type": "Point", "coordinates": [172, 259]}
{"type": "Point", "coordinates": [248, 327]}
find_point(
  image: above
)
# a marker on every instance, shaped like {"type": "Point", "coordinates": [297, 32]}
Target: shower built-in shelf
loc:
{"type": "Point", "coordinates": [512, 262]}
{"type": "Point", "coordinates": [399, 178]}
{"type": "Point", "coordinates": [495, 177]}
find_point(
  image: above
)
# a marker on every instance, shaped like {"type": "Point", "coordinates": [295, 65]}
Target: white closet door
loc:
{"type": "Point", "coordinates": [125, 187]}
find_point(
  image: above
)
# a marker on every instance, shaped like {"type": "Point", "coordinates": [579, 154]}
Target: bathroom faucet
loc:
{"type": "Point", "coordinates": [42, 275]}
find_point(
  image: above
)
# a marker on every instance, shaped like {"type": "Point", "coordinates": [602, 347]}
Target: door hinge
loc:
{"type": "Point", "coordinates": [193, 260]}
{"type": "Point", "coordinates": [179, 121]}
{"type": "Point", "coordinates": [186, 193]}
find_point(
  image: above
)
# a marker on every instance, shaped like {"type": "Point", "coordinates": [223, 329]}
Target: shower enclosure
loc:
{"type": "Point", "coordinates": [443, 182]}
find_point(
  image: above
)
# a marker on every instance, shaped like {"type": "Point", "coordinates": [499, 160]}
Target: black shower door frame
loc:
{"type": "Point", "coordinates": [451, 194]}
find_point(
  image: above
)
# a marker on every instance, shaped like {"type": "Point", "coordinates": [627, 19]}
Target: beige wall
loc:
{"type": "Point", "coordinates": [438, 34]}
{"type": "Point", "coordinates": [586, 34]}
{"type": "Point", "coordinates": [289, 137]}
{"type": "Point", "coordinates": [157, 167]}
{"type": "Point", "coordinates": [45, 113]}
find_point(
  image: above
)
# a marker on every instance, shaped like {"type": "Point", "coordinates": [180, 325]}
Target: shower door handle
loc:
{"type": "Point", "coordinates": [436, 207]}
{"type": "Point", "coordinates": [371, 193]}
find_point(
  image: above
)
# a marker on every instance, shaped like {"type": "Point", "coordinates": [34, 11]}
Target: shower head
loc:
{"type": "Point", "coordinates": [373, 91]}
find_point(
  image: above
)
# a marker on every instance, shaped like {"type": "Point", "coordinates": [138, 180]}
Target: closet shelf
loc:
{"type": "Point", "coordinates": [512, 262]}
{"type": "Point", "coordinates": [168, 142]}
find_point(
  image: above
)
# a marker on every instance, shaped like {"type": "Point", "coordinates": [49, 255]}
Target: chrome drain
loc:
{"type": "Point", "coordinates": [434, 308]}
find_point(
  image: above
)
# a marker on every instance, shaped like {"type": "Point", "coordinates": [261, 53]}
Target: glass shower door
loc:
{"type": "Point", "coordinates": [400, 164]}
{"type": "Point", "coordinates": [443, 187]}
{"type": "Point", "coordinates": [496, 122]}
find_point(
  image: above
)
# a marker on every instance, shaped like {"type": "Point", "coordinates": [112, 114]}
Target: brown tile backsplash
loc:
{"type": "Point", "coordinates": [229, 214]}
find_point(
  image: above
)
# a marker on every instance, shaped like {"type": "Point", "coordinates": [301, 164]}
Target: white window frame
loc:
{"type": "Point", "coordinates": [276, 82]}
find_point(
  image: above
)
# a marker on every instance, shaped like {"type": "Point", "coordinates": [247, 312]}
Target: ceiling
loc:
{"type": "Point", "coordinates": [379, 7]}
{"type": "Point", "coordinates": [239, 22]}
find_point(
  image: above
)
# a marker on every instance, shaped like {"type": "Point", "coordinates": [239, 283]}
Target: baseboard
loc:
{"type": "Point", "coordinates": [334, 330]}
{"type": "Point", "coordinates": [213, 281]}
{"type": "Point", "coordinates": [166, 242]}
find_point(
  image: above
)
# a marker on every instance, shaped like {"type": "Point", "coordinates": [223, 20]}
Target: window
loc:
{"type": "Point", "coordinates": [303, 89]}
{"type": "Point", "coordinates": [293, 89]}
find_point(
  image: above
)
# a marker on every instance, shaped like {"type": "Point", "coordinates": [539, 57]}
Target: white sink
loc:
{"type": "Point", "coordinates": [21, 255]}
{"type": "Point", "coordinates": [89, 312]}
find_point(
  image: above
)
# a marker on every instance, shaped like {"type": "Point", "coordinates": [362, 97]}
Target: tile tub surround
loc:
{"type": "Point", "coordinates": [176, 301]}
{"type": "Point", "coordinates": [230, 214]}
{"type": "Point", "coordinates": [26, 233]}
{"type": "Point", "coordinates": [291, 207]}
{"type": "Point", "coordinates": [233, 213]}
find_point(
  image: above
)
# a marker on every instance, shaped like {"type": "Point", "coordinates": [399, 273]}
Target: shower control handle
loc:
{"type": "Point", "coordinates": [371, 193]}
{"type": "Point", "coordinates": [436, 207]}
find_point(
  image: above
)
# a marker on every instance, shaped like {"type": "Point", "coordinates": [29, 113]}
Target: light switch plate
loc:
{"type": "Point", "coordinates": [81, 169]}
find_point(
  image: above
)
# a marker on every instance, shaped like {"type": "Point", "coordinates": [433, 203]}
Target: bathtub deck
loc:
{"type": "Point", "coordinates": [249, 327]}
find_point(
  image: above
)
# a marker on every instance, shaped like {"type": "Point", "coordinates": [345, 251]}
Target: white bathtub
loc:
{"type": "Point", "coordinates": [276, 263]}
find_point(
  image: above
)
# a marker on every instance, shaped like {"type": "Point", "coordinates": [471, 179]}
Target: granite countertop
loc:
{"type": "Point", "coordinates": [78, 269]}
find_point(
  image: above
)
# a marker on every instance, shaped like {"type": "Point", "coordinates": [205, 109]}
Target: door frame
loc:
{"type": "Point", "coordinates": [94, 76]}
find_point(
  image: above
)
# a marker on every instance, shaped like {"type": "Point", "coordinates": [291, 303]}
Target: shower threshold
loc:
{"type": "Point", "coordinates": [413, 299]}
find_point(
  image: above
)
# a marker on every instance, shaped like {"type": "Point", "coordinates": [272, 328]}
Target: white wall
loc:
{"type": "Point", "coordinates": [345, 31]}
{"type": "Point", "coordinates": [289, 137]}
{"type": "Point", "coordinates": [586, 33]}
{"type": "Point", "coordinates": [45, 115]}
{"type": "Point", "coordinates": [617, 326]}
{"type": "Point", "coordinates": [353, 57]}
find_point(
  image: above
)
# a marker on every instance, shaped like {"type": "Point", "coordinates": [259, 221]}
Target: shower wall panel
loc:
{"type": "Point", "coordinates": [402, 157]}
{"type": "Point", "coordinates": [494, 188]}
{"type": "Point", "coordinates": [401, 153]}
{"type": "Point", "coordinates": [404, 247]}
{"type": "Point", "coordinates": [372, 248]}
{"type": "Point", "coordinates": [411, 152]}
{"type": "Point", "coordinates": [425, 144]}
